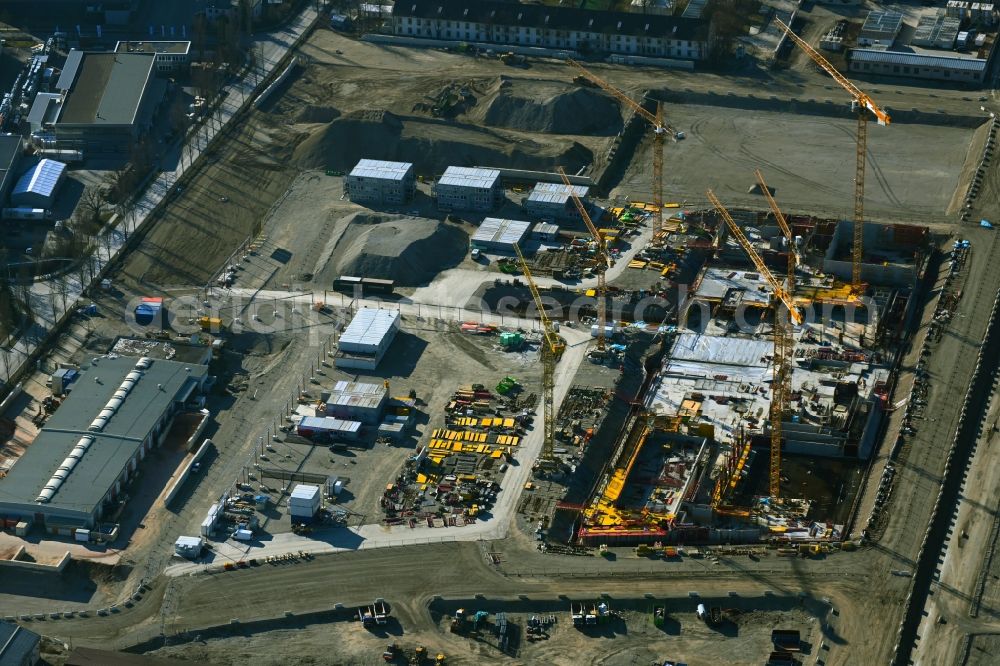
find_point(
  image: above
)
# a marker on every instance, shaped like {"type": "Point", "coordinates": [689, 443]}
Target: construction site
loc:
{"type": "Point", "coordinates": [656, 382]}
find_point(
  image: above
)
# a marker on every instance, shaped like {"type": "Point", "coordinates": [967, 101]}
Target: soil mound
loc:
{"type": "Point", "coordinates": [409, 250]}
{"type": "Point", "coordinates": [314, 113]}
{"type": "Point", "coordinates": [576, 111]}
{"type": "Point", "coordinates": [431, 145]}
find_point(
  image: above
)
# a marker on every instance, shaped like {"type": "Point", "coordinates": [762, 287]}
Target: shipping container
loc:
{"type": "Point", "coordinates": [377, 286]}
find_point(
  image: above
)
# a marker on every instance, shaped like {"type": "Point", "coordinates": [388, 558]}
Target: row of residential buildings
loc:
{"type": "Point", "coordinates": [553, 27]}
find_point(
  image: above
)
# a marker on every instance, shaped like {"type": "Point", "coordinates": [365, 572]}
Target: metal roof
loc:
{"type": "Point", "coordinates": [134, 415]}
{"type": "Point", "coordinates": [329, 423]}
{"type": "Point", "coordinates": [40, 179]}
{"type": "Point", "coordinates": [557, 193]}
{"type": "Point", "coordinates": [45, 108]}
{"type": "Point", "coordinates": [16, 643]}
{"type": "Point", "coordinates": [918, 60]}
{"type": "Point", "coordinates": [357, 395]}
{"type": "Point", "coordinates": [369, 327]}
{"type": "Point", "coordinates": [546, 229]}
{"type": "Point", "coordinates": [505, 232]}
{"type": "Point", "coordinates": [106, 89]}
{"type": "Point", "coordinates": [381, 169]}
{"type": "Point", "coordinates": [305, 491]}
{"type": "Point", "coordinates": [469, 177]}
{"type": "Point", "coordinates": [882, 23]}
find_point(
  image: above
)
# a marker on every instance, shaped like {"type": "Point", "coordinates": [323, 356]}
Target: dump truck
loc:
{"type": "Point", "coordinates": [576, 613]}
{"type": "Point", "coordinates": [381, 610]}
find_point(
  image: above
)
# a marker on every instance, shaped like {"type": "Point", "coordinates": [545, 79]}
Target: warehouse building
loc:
{"type": "Point", "coordinates": [381, 182]}
{"type": "Point", "coordinates": [38, 186]}
{"type": "Point", "coordinates": [469, 188]}
{"type": "Point", "coordinates": [170, 56]}
{"type": "Point", "coordinates": [367, 338]}
{"type": "Point", "coordinates": [11, 149]}
{"type": "Point", "coordinates": [74, 472]}
{"type": "Point", "coordinates": [554, 201]}
{"type": "Point", "coordinates": [546, 26]}
{"type": "Point", "coordinates": [356, 401]}
{"type": "Point", "coordinates": [109, 101]}
{"type": "Point", "coordinates": [919, 65]}
{"type": "Point", "coordinates": [497, 235]}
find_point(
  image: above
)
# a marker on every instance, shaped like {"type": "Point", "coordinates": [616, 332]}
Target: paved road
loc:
{"type": "Point", "coordinates": [964, 557]}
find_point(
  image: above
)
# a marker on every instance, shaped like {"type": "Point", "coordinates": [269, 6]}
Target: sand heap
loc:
{"type": "Point", "coordinates": [409, 250]}
{"type": "Point", "coordinates": [432, 145]}
{"type": "Point", "coordinates": [571, 111]}
{"type": "Point", "coordinates": [313, 113]}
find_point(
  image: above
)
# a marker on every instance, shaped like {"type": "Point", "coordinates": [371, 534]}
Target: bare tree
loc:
{"type": "Point", "coordinates": [199, 31]}
{"type": "Point", "coordinates": [92, 206]}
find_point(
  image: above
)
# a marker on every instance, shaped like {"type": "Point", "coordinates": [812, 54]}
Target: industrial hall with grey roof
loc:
{"type": "Point", "coordinates": [118, 411]}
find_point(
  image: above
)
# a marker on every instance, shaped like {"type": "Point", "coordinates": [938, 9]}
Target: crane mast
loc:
{"type": "Point", "coordinates": [660, 131]}
{"type": "Point", "coordinates": [551, 350]}
{"type": "Point", "coordinates": [603, 261]}
{"type": "Point", "coordinates": [785, 229]}
{"type": "Point", "coordinates": [783, 346]}
{"type": "Point", "coordinates": [865, 106]}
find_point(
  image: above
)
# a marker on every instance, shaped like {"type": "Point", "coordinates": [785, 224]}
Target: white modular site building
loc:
{"type": "Point", "coordinates": [367, 338]}
{"type": "Point", "coordinates": [469, 188]}
{"type": "Point", "coordinates": [555, 201]}
{"type": "Point", "coordinates": [381, 182]}
{"type": "Point", "coordinates": [498, 235]}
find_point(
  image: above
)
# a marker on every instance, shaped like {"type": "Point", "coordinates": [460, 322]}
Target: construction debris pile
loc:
{"type": "Point", "coordinates": [455, 476]}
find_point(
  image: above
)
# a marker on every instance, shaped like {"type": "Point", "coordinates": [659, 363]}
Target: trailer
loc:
{"type": "Point", "coordinates": [786, 640]}
{"type": "Point", "coordinates": [377, 286]}
{"type": "Point", "coordinates": [25, 213]}
{"type": "Point", "coordinates": [576, 613]}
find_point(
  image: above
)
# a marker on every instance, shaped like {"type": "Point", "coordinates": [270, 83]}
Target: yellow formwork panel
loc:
{"type": "Point", "coordinates": [496, 454]}
{"type": "Point", "coordinates": [457, 446]}
{"type": "Point", "coordinates": [508, 423]}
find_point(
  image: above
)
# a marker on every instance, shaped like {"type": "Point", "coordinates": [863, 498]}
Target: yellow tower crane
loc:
{"type": "Point", "coordinates": [785, 229]}
{"type": "Point", "coordinates": [865, 105]}
{"type": "Point", "coordinates": [603, 262]}
{"type": "Point", "coordinates": [552, 348]}
{"type": "Point", "coordinates": [660, 132]}
{"type": "Point", "coordinates": [783, 345]}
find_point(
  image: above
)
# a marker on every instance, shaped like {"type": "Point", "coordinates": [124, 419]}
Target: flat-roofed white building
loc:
{"type": "Point", "coordinates": [381, 182]}
{"type": "Point", "coordinates": [554, 200]}
{"type": "Point", "coordinates": [498, 235]}
{"type": "Point", "coordinates": [469, 188]}
{"type": "Point", "coordinates": [367, 338]}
